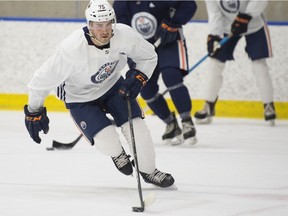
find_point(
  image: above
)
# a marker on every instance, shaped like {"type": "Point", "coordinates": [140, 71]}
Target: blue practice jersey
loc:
{"type": "Point", "coordinates": [146, 16]}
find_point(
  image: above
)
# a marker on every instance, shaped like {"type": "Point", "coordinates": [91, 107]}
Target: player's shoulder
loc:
{"type": "Point", "coordinates": [74, 46]}
{"type": "Point", "coordinates": [121, 27]}
{"type": "Point", "coordinates": [73, 40]}
{"type": "Point", "coordinates": [123, 32]}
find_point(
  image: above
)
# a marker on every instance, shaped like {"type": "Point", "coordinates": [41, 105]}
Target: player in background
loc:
{"type": "Point", "coordinates": [86, 68]}
{"type": "Point", "coordinates": [239, 19]}
{"type": "Point", "coordinates": [160, 23]}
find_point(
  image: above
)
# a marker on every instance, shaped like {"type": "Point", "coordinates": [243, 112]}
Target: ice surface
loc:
{"type": "Point", "coordinates": [239, 167]}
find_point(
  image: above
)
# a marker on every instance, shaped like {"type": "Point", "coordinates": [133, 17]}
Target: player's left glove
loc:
{"type": "Point", "coordinates": [35, 122]}
{"type": "Point", "coordinates": [133, 83]}
{"type": "Point", "coordinates": [240, 24]}
{"type": "Point", "coordinates": [167, 32]}
{"type": "Point", "coordinates": [213, 44]}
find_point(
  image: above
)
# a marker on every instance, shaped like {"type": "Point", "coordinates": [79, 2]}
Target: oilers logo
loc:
{"type": "Point", "coordinates": [104, 72]}
{"type": "Point", "coordinates": [83, 125]}
{"type": "Point", "coordinates": [230, 6]}
{"type": "Point", "coordinates": [144, 23]}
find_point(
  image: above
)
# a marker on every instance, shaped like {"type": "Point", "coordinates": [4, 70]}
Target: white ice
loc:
{"type": "Point", "coordinates": [239, 167]}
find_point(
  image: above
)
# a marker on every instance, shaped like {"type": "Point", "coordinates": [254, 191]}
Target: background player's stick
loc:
{"type": "Point", "coordinates": [221, 43]}
{"type": "Point", "coordinates": [157, 42]}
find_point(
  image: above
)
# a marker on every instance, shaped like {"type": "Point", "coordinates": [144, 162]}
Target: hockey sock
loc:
{"type": "Point", "coordinates": [214, 79]}
{"type": "Point", "coordinates": [264, 82]}
{"type": "Point", "coordinates": [159, 106]}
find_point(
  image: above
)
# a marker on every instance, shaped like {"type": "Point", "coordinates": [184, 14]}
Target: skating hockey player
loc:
{"type": "Point", "coordinates": [86, 68]}
{"type": "Point", "coordinates": [239, 19]}
{"type": "Point", "coordinates": [160, 23]}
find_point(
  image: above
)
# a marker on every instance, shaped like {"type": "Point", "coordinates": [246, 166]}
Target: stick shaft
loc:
{"type": "Point", "coordinates": [135, 152]}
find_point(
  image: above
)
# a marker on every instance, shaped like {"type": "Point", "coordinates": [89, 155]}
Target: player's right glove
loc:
{"type": "Point", "coordinates": [133, 84]}
{"type": "Point", "coordinates": [240, 24]}
{"type": "Point", "coordinates": [213, 44]}
{"type": "Point", "coordinates": [167, 32]}
{"type": "Point", "coordinates": [35, 122]}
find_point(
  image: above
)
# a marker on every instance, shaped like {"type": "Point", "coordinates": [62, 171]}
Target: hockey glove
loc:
{"type": "Point", "coordinates": [167, 32]}
{"type": "Point", "coordinates": [35, 122]}
{"type": "Point", "coordinates": [213, 44]}
{"type": "Point", "coordinates": [240, 24]}
{"type": "Point", "coordinates": [133, 84]}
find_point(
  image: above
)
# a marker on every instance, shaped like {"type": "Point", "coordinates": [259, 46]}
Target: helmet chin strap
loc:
{"type": "Point", "coordinates": [93, 37]}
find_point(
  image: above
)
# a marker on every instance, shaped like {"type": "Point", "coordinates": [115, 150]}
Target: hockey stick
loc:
{"type": "Point", "coordinates": [221, 43]}
{"type": "Point", "coordinates": [67, 146]}
{"type": "Point", "coordinates": [142, 207]}
{"type": "Point", "coordinates": [151, 197]}
{"type": "Point", "coordinates": [157, 42]}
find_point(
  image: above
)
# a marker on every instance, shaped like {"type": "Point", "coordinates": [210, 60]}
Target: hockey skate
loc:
{"type": "Point", "coordinates": [205, 116]}
{"type": "Point", "coordinates": [269, 113]}
{"type": "Point", "coordinates": [158, 178]}
{"type": "Point", "coordinates": [123, 164]}
{"type": "Point", "coordinates": [173, 133]}
{"type": "Point", "coordinates": [189, 131]}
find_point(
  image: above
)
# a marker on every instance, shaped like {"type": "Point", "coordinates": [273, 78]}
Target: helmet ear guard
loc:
{"type": "Point", "coordinates": [99, 11]}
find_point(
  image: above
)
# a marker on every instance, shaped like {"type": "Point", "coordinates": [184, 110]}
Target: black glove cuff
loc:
{"type": "Point", "coordinates": [138, 75]}
{"type": "Point", "coordinates": [34, 114]}
{"type": "Point", "coordinates": [28, 113]}
{"type": "Point", "coordinates": [214, 38]}
{"type": "Point", "coordinates": [171, 24]}
{"type": "Point", "coordinates": [244, 16]}
{"type": "Point", "coordinates": [171, 27]}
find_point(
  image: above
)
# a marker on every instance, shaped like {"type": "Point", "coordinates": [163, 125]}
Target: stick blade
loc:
{"type": "Point", "coordinates": [62, 146]}
{"type": "Point", "coordinates": [137, 209]}
{"type": "Point", "coordinates": [65, 146]}
{"type": "Point", "coordinates": [148, 201]}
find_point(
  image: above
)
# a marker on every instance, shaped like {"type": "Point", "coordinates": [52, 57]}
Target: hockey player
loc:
{"type": "Point", "coordinates": [237, 18]}
{"type": "Point", "coordinates": [86, 68]}
{"type": "Point", "coordinates": [161, 22]}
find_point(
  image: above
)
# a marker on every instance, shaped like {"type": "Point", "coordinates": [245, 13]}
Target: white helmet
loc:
{"type": "Point", "coordinates": [99, 11]}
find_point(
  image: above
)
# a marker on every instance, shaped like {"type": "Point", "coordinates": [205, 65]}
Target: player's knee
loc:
{"type": "Point", "coordinates": [172, 76]}
{"type": "Point", "coordinates": [107, 141]}
{"type": "Point", "coordinates": [259, 66]}
{"type": "Point", "coordinates": [215, 68]}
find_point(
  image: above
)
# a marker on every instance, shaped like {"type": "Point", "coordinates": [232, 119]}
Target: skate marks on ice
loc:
{"type": "Point", "coordinates": [188, 199]}
{"type": "Point", "coordinates": [226, 132]}
{"type": "Point", "coordinates": [238, 167]}
{"type": "Point", "coordinates": [61, 198]}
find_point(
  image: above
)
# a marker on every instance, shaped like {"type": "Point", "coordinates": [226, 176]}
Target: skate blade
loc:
{"type": "Point", "coordinates": [270, 122]}
{"type": "Point", "coordinates": [172, 187]}
{"type": "Point", "coordinates": [148, 201]}
{"type": "Point", "coordinates": [191, 140]}
{"type": "Point", "coordinates": [204, 121]}
{"type": "Point", "coordinates": [176, 141]}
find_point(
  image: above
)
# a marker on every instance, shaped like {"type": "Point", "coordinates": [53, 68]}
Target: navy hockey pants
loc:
{"type": "Point", "coordinates": [91, 117]}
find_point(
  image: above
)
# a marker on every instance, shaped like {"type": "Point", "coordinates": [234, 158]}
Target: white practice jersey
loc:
{"type": "Point", "coordinates": [222, 13]}
{"type": "Point", "coordinates": [85, 72]}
